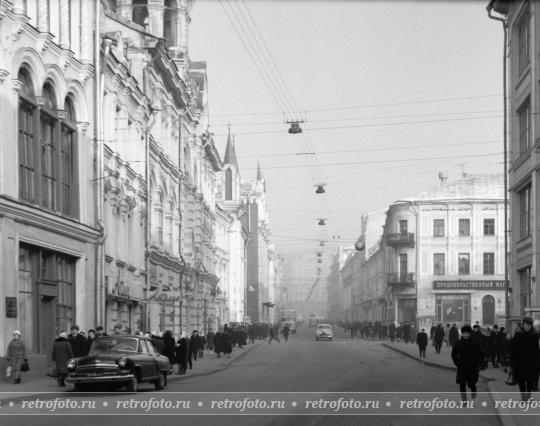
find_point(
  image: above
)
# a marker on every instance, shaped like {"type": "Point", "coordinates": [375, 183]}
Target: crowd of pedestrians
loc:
{"type": "Point", "coordinates": [181, 352]}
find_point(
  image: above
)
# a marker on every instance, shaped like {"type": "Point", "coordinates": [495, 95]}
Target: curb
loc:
{"type": "Point", "coordinates": [504, 417]}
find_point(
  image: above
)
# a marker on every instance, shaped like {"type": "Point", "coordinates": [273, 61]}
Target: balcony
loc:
{"type": "Point", "coordinates": [402, 279]}
{"type": "Point", "coordinates": [404, 239]}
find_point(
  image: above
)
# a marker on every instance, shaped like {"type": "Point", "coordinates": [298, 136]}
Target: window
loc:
{"type": "Point", "coordinates": [403, 267]}
{"type": "Point", "coordinates": [228, 184]}
{"type": "Point", "coordinates": [453, 308]}
{"type": "Point", "coordinates": [524, 126]}
{"type": "Point", "coordinates": [464, 227]}
{"type": "Point", "coordinates": [438, 227]}
{"type": "Point", "coordinates": [525, 216]}
{"type": "Point", "coordinates": [489, 227]}
{"type": "Point", "coordinates": [403, 226]}
{"type": "Point", "coordinates": [47, 150]}
{"type": "Point", "coordinates": [438, 264]}
{"type": "Point", "coordinates": [170, 226]}
{"type": "Point", "coordinates": [489, 263]}
{"type": "Point", "coordinates": [525, 283]}
{"type": "Point", "coordinates": [160, 220]}
{"type": "Point", "coordinates": [464, 263]}
{"type": "Point", "coordinates": [488, 310]}
{"type": "Point", "coordinates": [523, 40]}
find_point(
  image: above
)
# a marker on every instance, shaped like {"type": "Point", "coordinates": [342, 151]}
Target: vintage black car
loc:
{"type": "Point", "coordinates": [120, 361]}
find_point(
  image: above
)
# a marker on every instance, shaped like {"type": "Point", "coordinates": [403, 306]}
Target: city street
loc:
{"type": "Point", "coordinates": [301, 365]}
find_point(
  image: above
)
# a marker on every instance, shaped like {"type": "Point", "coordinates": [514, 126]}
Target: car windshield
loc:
{"type": "Point", "coordinates": [117, 344]}
{"type": "Point", "coordinates": [324, 327]}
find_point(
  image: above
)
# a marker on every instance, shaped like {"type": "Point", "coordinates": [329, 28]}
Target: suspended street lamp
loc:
{"type": "Point", "coordinates": [321, 222]}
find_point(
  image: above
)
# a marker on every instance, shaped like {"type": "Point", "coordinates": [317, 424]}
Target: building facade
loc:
{"type": "Point", "coordinates": [521, 21]}
{"type": "Point", "coordinates": [48, 220]}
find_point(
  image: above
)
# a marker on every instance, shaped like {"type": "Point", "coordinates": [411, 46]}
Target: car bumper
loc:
{"type": "Point", "coordinates": [100, 379]}
{"type": "Point", "coordinates": [326, 336]}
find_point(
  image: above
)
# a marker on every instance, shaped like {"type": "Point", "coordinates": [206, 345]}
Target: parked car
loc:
{"type": "Point", "coordinates": [323, 331]}
{"type": "Point", "coordinates": [120, 360]}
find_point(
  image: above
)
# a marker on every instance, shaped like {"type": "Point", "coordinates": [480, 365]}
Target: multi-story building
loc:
{"type": "Point", "coordinates": [48, 220]}
{"type": "Point", "coordinates": [335, 307]}
{"type": "Point", "coordinates": [444, 253]}
{"type": "Point", "coordinates": [521, 22]}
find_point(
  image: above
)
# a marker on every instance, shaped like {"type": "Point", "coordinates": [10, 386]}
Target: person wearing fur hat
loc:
{"type": "Point", "coordinates": [469, 359]}
{"type": "Point", "coordinates": [524, 353]}
{"type": "Point", "coordinates": [181, 353]}
{"type": "Point", "coordinates": [16, 355]}
{"type": "Point", "coordinates": [61, 353]}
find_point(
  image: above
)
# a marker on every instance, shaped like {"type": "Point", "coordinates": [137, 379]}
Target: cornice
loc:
{"type": "Point", "coordinates": [34, 216]}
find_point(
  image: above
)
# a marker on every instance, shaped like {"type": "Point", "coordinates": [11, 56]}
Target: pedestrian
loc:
{"type": "Point", "coordinates": [89, 340]}
{"type": "Point", "coordinates": [202, 343]}
{"type": "Point", "coordinates": [158, 341]}
{"type": "Point", "coordinates": [218, 343]}
{"type": "Point", "coordinates": [432, 330]}
{"type": "Point", "coordinates": [100, 332]}
{"type": "Point", "coordinates": [210, 340]}
{"type": "Point", "coordinates": [61, 353]}
{"type": "Point", "coordinates": [524, 353]}
{"type": "Point", "coordinates": [117, 329]}
{"type": "Point", "coordinates": [469, 359]}
{"type": "Point", "coordinates": [77, 342]}
{"type": "Point", "coordinates": [406, 332]}
{"type": "Point", "coordinates": [272, 335]}
{"type": "Point", "coordinates": [226, 342]}
{"type": "Point", "coordinates": [181, 353]}
{"type": "Point", "coordinates": [168, 348]}
{"type": "Point", "coordinates": [453, 335]}
{"type": "Point", "coordinates": [447, 334]}
{"type": "Point", "coordinates": [438, 338]}
{"type": "Point", "coordinates": [16, 356]}
{"type": "Point", "coordinates": [194, 343]}
{"type": "Point", "coordinates": [422, 341]}
{"type": "Point", "coordinates": [494, 343]}
{"type": "Point", "coordinates": [392, 331]}
{"type": "Point", "coordinates": [286, 332]}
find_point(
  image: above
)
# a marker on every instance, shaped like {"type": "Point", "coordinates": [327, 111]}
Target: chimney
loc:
{"type": "Point", "coordinates": [443, 177]}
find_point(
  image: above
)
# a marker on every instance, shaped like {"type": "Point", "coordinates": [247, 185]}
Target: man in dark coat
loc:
{"type": "Point", "coordinates": [194, 344]}
{"type": "Point", "coordinates": [406, 330]}
{"type": "Point", "coordinates": [77, 341]}
{"type": "Point", "coordinates": [432, 331]}
{"type": "Point", "coordinates": [392, 331]}
{"type": "Point", "coordinates": [453, 335]}
{"type": "Point", "coordinates": [524, 353]}
{"type": "Point", "coordinates": [168, 347]}
{"type": "Point", "coordinates": [468, 358]}
{"type": "Point", "coordinates": [61, 353]}
{"type": "Point", "coordinates": [494, 343]}
{"type": "Point", "coordinates": [438, 338]}
{"type": "Point", "coordinates": [286, 332]}
{"type": "Point", "coordinates": [218, 344]}
{"type": "Point", "coordinates": [158, 341]}
{"type": "Point", "coordinates": [89, 340]}
{"type": "Point", "coordinates": [422, 341]}
{"type": "Point", "coordinates": [210, 340]}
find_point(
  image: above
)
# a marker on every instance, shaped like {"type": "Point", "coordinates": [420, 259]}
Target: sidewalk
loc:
{"type": "Point", "coordinates": [494, 377]}
{"type": "Point", "coordinates": [35, 382]}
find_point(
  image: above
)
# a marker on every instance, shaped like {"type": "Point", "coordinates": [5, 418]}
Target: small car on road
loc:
{"type": "Point", "coordinates": [122, 360]}
{"type": "Point", "coordinates": [323, 331]}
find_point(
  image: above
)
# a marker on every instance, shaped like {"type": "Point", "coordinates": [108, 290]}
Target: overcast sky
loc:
{"type": "Point", "coordinates": [392, 93]}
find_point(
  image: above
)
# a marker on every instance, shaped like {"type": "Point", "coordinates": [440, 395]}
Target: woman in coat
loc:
{"type": "Point", "coordinates": [438, 338]}
{"type": "Point", "coordinates": [453, 335]}
{"type": "Point", "coordinates": [168, 347]}
{"type": "Point", "coordinates": [469, 360]}
{"type": "Point", "coordinates": [61, 353]}
{"type": "Point", "coordinates": [218, 343]}
{"type": "Point", "coordinates": [227, 344]}
{"type": "Point", "coordinates": [181, 353]}
{"type": "Point", "coordinates": [524, 357]}
{"type": "Point", "coordinates": [16, 355]}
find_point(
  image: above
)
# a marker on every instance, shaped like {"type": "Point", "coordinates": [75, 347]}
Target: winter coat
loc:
{"type": "Point", "coordinates": [158, 341]}
{"type": "Point", "coordinates": [16, 354]}
{"type": "Point", "coordinates": [181, 351]}
{"type": "Point", "coordinates": [453, 335]}
{"type": "Point", "coordinates": [89, 342]}
{"type": "Point", "coordinates": [218, 342]}
{"type": "Point", "coordinates": [422, 340]}
{"type": "Point", "coordinates": [392, 330]}
{"type": "Point", "coordinates": [168, 347]}
{"type": "Point", "coordinates": [469, 359]}
{"type": "Point", "coordinates": [194, 344]}
{"type": "Point", "coordinates": [227, 343]}
{"type": "Point", "coordinates": [61, 353]}
{"type": "Point", "coordinates": [78, 345]}
{"type": "Point", "coordinates": [524, 354]}
{"type": "Point", "coordinates": [439, 335]}
{"type": "Point", "coordinates": [210, 339]}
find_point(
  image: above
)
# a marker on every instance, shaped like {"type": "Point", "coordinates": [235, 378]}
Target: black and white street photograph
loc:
{"type": "Point", "coordinates": [271, 212]}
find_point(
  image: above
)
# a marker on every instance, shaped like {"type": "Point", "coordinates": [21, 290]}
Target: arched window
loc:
{"type": "Point", "coordinates": [47, 149]}
{"type": "Point", "coordinates": [228, 184]}
{"type": "Point", "coordinates": [488, 310]}
{"type": "Point", "coordinates": [170, 226]}
{"type": "Point", "coordinates": [140, 12]}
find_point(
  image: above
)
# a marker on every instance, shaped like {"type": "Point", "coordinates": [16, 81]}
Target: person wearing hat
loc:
{"type": "Point", "coordinates": [469, 359]}
{"type": "Point", "coordinates": [77, 341]}
{"type": "Point", "coordinates": [16, 355]}
{"type": "Point", "coordinates": [61, 353]}
{"type": "Point", "coordinates": [524, 353]}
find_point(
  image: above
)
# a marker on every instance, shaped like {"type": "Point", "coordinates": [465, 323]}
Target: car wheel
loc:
{"type": "Point", "coordinates": [79, 387]}
{"type": "Point", "coordinates": [330, 338]}
{"type": "Point", "coordinates": [161, 382]}
{"type": "Point", "coordinates": [133, 385]}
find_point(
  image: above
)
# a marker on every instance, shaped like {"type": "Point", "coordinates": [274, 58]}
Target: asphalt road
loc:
{"type": "Point", "coordinates": [302, 371]}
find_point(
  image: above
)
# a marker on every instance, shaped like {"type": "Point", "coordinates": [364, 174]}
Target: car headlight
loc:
{"type": "Point", "coordinates": [122, 362]}
{"type": "Point", "coordinates": [71, 364]}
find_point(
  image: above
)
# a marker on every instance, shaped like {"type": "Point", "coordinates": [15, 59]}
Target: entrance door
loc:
{"type": "Point", "coordinates": [48, 294]}
{"type": "Point", "coordinates": [407, 310]}
{"type": "Point", "coordinates": [488, 310]}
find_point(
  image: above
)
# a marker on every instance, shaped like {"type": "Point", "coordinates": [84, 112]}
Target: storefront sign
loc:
{"type": "Point", "coordinates": [11, 307]}
{"type": "Point", "coordinates": [468, 285]}
{"type": "Point", "coordinates": [165, 296]}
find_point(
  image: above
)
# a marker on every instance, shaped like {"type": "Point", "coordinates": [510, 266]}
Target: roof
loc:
{"type": "Point", "coordinates": [230, 152]}
{"type": "Point", "coordinates": [468, 187]}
